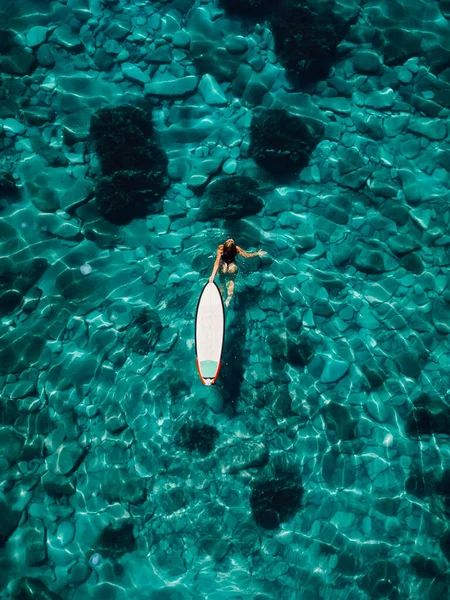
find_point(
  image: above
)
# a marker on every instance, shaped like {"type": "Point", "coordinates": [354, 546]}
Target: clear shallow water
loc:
{"type": "Point", "coordinates": [317, 467]}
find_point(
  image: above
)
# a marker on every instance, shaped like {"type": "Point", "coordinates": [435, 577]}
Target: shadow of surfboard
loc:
{"type": "Point", "coordinates": [234, 355]}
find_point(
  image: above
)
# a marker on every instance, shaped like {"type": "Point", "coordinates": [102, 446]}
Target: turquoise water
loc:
{"type": "Point", "coordinates": [318, 465]}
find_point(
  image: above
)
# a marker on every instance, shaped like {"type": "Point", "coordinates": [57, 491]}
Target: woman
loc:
{"type": "Point", "coordinates": [226, 253]}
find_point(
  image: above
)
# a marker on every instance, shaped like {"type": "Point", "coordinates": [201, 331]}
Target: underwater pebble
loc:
{"type": "Point", "coordinates": [434, 129]}
{"type": "Point", "coordinates": [45, 57]}
{"type": "Point", "coordinates": [65, 532]}
{"type": "Point", "coordinates": [404, 75]}
{"type": "Point", "coordinates": [181, 39]}
{"type": "Point", "coordinates": [118, 30]}
{"type": "Point", "coordinates": [366, 62]}
{"type": "Point", "coordinates": [168, 86]}
{"type": "Point", "coordinates": [134, 73]}
{"type": "Point", "coordinates": [211, 91]}
{"type": "Point", "coordinates": [379, 100]}
{"type": "Point", "coordinates": [12, 126]}
{"type": "Point", "coordinates": [236, 44]}
{"type": "Point", "coordinates": [229, 166]}
{"type": "Point", "coordinates": [160, 56]}
{"type": "Point", "coordinates": [334, 369]}
{"type": "Point", "coordinates": [86, 269]}
{"type": "Point", "coordinates": [95, 560]}
{"type": "Point", "coordinates": [65, 37]}
{"type": "Point", "coordinates": [36, 36]}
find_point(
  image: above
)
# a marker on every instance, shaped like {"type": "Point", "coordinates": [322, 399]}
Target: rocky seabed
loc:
{"type": "Point", "coordinates": [318, 466]}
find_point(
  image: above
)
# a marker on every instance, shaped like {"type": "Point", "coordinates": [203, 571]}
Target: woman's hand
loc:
{"type": "Point", "coordinates": [261, 252]}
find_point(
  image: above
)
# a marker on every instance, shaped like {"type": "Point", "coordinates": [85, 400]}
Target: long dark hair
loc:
{"type": "Point", "coordinates": [230, 246]}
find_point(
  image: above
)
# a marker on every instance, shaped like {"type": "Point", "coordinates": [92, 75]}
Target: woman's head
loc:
{"type": "Point", "coordinates": [229, 244]}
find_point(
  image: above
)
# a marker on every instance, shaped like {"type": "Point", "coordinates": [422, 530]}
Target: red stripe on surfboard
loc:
{"type": "Point", "coordinates": [198, 369]}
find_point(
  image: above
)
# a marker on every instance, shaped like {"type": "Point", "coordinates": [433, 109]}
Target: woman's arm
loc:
{"type": "Point", "coordinates": [250, 254]}
{"type": "Point", "coordinates": [216, 263]}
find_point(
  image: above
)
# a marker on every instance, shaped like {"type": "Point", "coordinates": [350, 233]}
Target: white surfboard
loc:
{"type": "Point", "coordinates": [209, 333]}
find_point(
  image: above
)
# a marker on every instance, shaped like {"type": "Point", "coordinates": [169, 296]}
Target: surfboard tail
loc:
{"type": "Point", "coordinates": [205, 379]}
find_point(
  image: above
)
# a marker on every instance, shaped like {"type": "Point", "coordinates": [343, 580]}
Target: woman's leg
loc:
{"type": "Point", "coordinates": [232, 270]}
{"type": "Point", "coordinates": [230, 292]}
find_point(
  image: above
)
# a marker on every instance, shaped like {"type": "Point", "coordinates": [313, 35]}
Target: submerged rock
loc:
{"type": "Point", "coordinates": [306, 38]}
{"type": "Point", "coordinates": [9, 520]}
{"type": "Point", "coordinates": [333, 370]}
{"type": "Point", "coordinates": [247, 8]}
{"type": "Point", "coordinates": [113, 543]}
{"type": "Point", "coordinates": [368, 261]}
{"type": "Point", "coordinates": [134, 73]}
{"type": "Point", "coordinates": [275, 501]}
{"type": "Point", "coordinates": [35, 540]}
{"type": "Point", "coordinates": [118, 29]}
{"type": "Point", "coordinates": [172, 87]}
{"type": "Point", "coordinates": [211, 91]}
{"type": "Point", "coordinates": [429, 416]}
{"type": "Point", "coordinates": [408, 363]}
{"type": "Point", "coordinates": [53, 156]}
{"type": "Point", "coordinates": [420, 483]}
{"type": "Point", "coordinates": [9, 192]}
{"type": "Point", "coordinates": [236, 44]}
{"type": "Point", "coordinates": [412, 262]}
{"type": "Point", "coordinates": [127, 195]}
{"type": "Point", "coordinates": [65, 37]}
{"type": "Point", "coordinates": [16, 280]}
{"type": "Point", "coordinates": [197, 436]}
{"type": "Point", "coordinates": [134, 166]}
{"type": "Point", "coordinates": [244, 455]}
{"type": "Point", "coordinates": [159, 56]}
{"type": "Point", "coordinates": [381, 581]}
{"type": "Point", "coordinates": [36, 36]}
{"type": "Point", "coordinates": [7, 182]}
{"type": "Point", "coordinates": [38, 115]}
{"type": "Point", "coordinates": [373, 374]}
{"type": "Point", "coordinates": [445, 544]}
{"type": "Point", "coordinates": [403, 244]}
{"type": "Point", "coordinates": [233, 197]}
{"type": "Point", "coordinates": [300, 352]}
{"type": "Point", "coordinates": [280, 142]}
{"type": "Point", "coordinates": [11, 445]}
{"type": "Point", "coordinates": [30, 588]}
{"type": "Point", "coordinates": [119, 485]}
{"type": "Point", "coordinates": [440, 315]}
{"type": "Point", "coordinates": [424, 567]}
{"type": "Point", "coordinates": [339, 419]}
{"type": "Point", "coordinates": [114, 418]}
{"type": "Point", "coordinates": [18, 62]}
{"type": "Point", "coordinates": [366, 62]}
{"type": "Point", "coordinates": [120, 136]}
{"type": "Point", "coordinates": [19, 348]}
{"type": "Point", "coordinates": [144, 331]}
{"type": "Point", "coordinates": [67, 458]}
{"type": "Point", "coordinates": [58, 485]}
{"type": "Point", "coordinates": [380, 99]}
{"type": "Point", "coordinates": [45, 56]}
